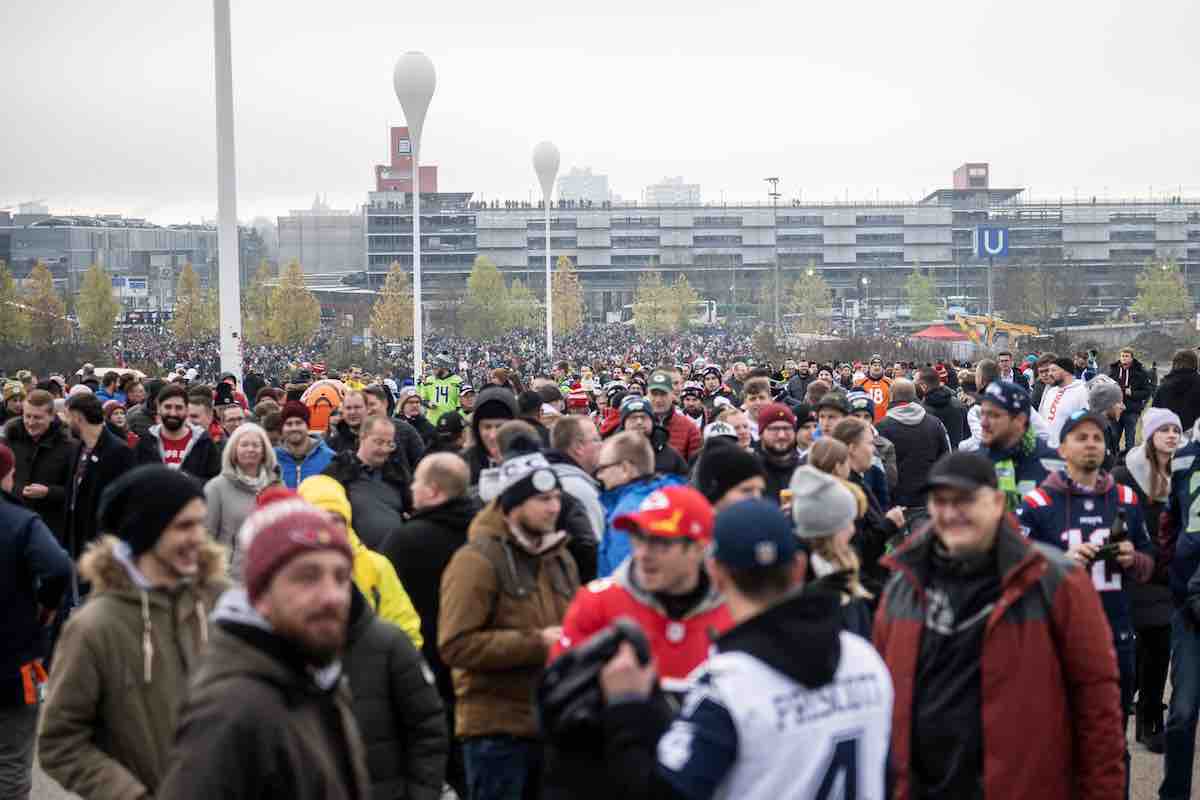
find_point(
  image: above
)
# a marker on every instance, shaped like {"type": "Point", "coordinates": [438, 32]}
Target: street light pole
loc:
{"type": "Point", "coordinates": [545, 164]}
{"type": "Point", "coordinates": [230, 300]}
{"type": "Point", "coordinates": [414, 80]}
{"type": "Point", "coordinates": [774, 195]}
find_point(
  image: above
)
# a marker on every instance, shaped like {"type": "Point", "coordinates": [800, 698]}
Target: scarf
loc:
{"type": "Point", "coordinates": [256, 482]}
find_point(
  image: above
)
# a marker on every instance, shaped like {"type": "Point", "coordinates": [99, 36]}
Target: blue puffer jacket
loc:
{"type": "Point", "coordinates": [1179, 534]}
{"type": "Point", "coordinates": [614, 547]}
{"type": "Point", "coordinates": [315, 460]}
{"type": "Point", "coordinates": [34, 570]}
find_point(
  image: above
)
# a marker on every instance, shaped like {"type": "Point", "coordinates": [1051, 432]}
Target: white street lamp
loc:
{"type": "Point", "coordinates": [230, 301]}
{"type": "Point", "coordinates": [545, 164]}
{"type": "Point", "coordinates": [414, 81]}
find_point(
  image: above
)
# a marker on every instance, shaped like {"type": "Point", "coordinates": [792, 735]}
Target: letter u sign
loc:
{"type": "Point", "coordinates": [991, 242]}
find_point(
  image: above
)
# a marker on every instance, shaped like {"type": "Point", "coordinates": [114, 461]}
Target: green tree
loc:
{"type": "Point", "coordinates": [1162, 293]}
{"type": "Point", "coordinates": [256, 305]}
{"type": "Point", "coordinates": [392, 314]}
{"type": "Point", "coordinates": [525, 312]}
{"type": "Point", "coordinates": [486, 309]}
{"type": "Point", "coordinates": [681, 297]}
{"type": "Point", "coordinates": [567, 296]}
{"type": "Point", "coordinates": [15, 329]}
{"type": "Point", "coordinates": [651, 304]}
{"type": "Point", "coordinates": [810, 300]}
{"type": "Point", "coordinates": [921, 291]}
{"type": "Point", "coordinates": [96, 307]}
{"type": "Point", "coordinates": [48, 323]}
{"type": "Point", "coordinates": [295, 314]}
{"type": "Point", "coordinates": [187, 321]}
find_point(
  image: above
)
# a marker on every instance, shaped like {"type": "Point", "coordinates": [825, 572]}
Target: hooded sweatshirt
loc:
{"type": "Point", "coordinates": [121, 671]}
{"type": "Point", "coordinates": [787, 675]}
{"type": "Point", "coordinates": [920, 440]}
{"type": "Point", "coordinates": [374, 575]}
{"type": "Point", "coordinates": [492, 403]}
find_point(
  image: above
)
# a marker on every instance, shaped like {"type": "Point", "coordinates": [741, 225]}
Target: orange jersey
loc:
{"type": "Point", "coordinates": [880, 392]}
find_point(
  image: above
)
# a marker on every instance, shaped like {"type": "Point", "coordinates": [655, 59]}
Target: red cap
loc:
{"type": "Point", "coordinates": [673, 512]}
{"type": "Point", "coordinates": [294, 408]}
{"type": "Point", "coordinates": [775, 412]}
{"type": "Point", "coordinates": [274, 493]}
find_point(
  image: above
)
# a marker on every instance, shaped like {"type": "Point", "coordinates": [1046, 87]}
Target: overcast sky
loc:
{"type": "Point", "coordinates": [108, 107]}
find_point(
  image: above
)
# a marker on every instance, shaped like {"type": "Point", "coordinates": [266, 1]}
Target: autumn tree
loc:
{"type": "Point", "coordinates": [48, 323]}
{"type": "Point", "coordinates": [566, 296]}
{"type": "Point", "coordinates": [681, 298]}
{"type": "Point", "coordinates": [295, 313]}
{"type": "Point", "coordinates": [810, 300]}
{"type": "Point", "coordinates": [256, 305]}
{"type": "Point", "coordinates": [96, 307]}
{"type": "Point", "coordinates": [15, 329]}
{"type": "Point", "coordinates": [651, 304]}
{"type": "Point", "coordinates": [920, 290]}
{"type": "Point", "coordinates": [187, 320]}
{"type": "Point", "coordinates": [525, 312]}
{"type": "Point", "coordinates": [1162, 293]}
{"type": "Point", "coordinates": [392, 314]}
{"type": "Point", "coordinates": [485, 310]}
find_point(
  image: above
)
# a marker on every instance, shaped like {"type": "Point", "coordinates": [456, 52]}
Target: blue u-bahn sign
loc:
{"type": "Point", "coordinates": [991, 242]}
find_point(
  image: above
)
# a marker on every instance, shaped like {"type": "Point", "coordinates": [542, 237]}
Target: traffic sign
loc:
{"type": "Point", "coordinates": [991, 242]}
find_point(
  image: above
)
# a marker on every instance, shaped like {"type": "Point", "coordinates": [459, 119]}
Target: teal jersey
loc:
{"type": "Point", "coordinates": [439, 396]}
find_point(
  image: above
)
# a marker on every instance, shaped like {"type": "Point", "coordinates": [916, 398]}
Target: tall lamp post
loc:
{"type": "Point", "coordinates": [866, 283]}
{"type": "Point", "coordinates": [774, 195]}
{"type": "Point", "coordinates": [230, 300]}
{"type": "Point", "coordinates": [545, 164]}
{"type": "Point", "coordinates": [414, 81]}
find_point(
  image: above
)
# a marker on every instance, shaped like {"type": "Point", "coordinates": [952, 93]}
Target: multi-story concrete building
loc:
{"type": "Point", "coordinates": [1101, 245]}
{"type": "Point", "coordinates": [581, 186]}
{"type": "Point", "coordinates": [323, 239]}
{"type": "Point", "coordinates": [672, 192]}
{"type": "Point", "coordinates": [143, 259]}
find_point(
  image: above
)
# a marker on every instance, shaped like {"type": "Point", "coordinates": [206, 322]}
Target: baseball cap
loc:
{"type": "Point", "coordinates": [1081, 417]}
{"type": "Point", "coordinates": [675, 512]}
{"type": "Point", "coordinates": [719, 428]}
{"type": "Point", "coordinates": [834, 400]}
{"type": "Point", "coordinates": [660, 382]}
{"type": "Point", "coordinates": [753, 534]}
{"type": "Point", "coordinates": [968, 471]}
{"type": "Point", "coordinates": [1009, 396]}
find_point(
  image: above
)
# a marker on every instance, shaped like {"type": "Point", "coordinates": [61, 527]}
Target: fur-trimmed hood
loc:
{"type": "Point", "coordinates": [109, 570]}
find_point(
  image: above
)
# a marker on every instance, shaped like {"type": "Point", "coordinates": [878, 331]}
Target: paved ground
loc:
{"type": "Point", "coordinates": [1147, 775]}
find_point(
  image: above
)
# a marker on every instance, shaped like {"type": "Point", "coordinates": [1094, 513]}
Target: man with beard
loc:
{"type": "Point", "coordinates": [301, 455]}
{"type": "Point", "coordinates": [1007, 438]}
{"type": "Point", "coordinates": [503, 598]}
{"type": "Point", "coordinates": [177, 444]}
{"type": "Point", "coordinates": [692, 398]}
{"type": "Point", "coordinates": [268, 714]}
{"type": "Point", "coordinates": [1065, 394]}
{"type": "Point", "coordinates": [797, 384]}
{"type": "Point", "coordinates": [777, 447]}
{"type": "Point", "coordinates": [123, 661]}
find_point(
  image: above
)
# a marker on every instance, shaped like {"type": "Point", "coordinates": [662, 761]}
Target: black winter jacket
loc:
{"type": "Point", "coordinates": [110, 459]}
{"type": "Point", "coordinates": [1151, 603]}
{"type": "Point", "coordinates": [397, 707]}
{"type": "Point", "coordinates": [943, 404]}
{"type": "Point", "coordinates": [779, 475]}
{"type": "Point", "coordinates": [377, 505]}
{"type": "Point", "coordinates": [420, 550]}
{"type": "Point", "coordinates": [47, 461]}
{"type": "Point", "coordinates": [1179, 391]}
{"type": "Point", "coordinates": [920, 440]}
{"type": "Point", "coordinates": [409, 445]}
{"type": "Point", "coordinates": [202, 460]}
{"type": "Point", "coordinates": [1141, 388]}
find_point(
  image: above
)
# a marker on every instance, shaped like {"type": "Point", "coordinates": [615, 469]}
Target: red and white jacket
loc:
{"type": "Point", "coordinates": [678, 646]}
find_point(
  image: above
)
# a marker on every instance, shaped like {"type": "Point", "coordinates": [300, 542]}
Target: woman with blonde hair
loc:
{"type": "Point", "coordinates": [248, 466]}
{"type": "Point", "coordinates": [824, 509]}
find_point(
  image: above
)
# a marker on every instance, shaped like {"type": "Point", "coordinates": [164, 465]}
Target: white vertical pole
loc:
{"type": "Point", "coordinates": [418, 305]}
{"type": "Point", "coordinates": [545, 164]}
{"type": "Point", "coordinates": [227, 234]}
{"type": "Point", "coordinates": [549, 308]}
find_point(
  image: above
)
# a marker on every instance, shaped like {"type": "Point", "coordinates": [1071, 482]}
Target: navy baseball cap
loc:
{"type": "Point", "coordinates": [753, 534]}
{"type": "Point", "coordinates": [1079, 418]}
{"type": "Point", "coordinates": [1009, 396]}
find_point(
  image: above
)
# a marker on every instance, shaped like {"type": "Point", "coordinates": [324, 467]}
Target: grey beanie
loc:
{"type": "Point", "coordinates": [1103, 394]}
{"type": "Point", "coordinates": [821, 505]}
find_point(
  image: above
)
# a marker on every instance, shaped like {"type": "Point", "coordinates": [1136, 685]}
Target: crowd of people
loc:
{"type": "Point", "coordinates": [647, 568]}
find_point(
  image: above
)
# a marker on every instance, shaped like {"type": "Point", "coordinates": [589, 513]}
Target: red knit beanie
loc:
{"type": "Point", "coordinates": [280, 531]}
{"type": "Point", "coordinates": [7, 461]}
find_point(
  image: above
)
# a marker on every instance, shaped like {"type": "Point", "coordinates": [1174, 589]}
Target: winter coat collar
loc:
{"type": "Point", "coordinates": [107, 564]}
{"type": "Point", "coordinates": [623, 577]}
{"type": "Point", "coordinates": [1059, 482]}
{"type": "Point", "coordinates": [456, 513]}
{"type": "Point", "coordinates": [198, 432]}
{"type": "Point", "coordinates": [907, 414]}
{"type": "Point", "coordinates": [1014, 554]}
{"type": "Point", "coordinates": [14, 431]}
{"type": "Point", "coordinates": [1138, 464]}
{"type": "Point", "coordinates": [491, 522]}
{"type": "Point", "coordinates": [798, 636]}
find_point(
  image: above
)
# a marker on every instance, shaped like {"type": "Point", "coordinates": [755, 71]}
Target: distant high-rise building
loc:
{"type": "Point", "coordinates": [396, 176]}
{"type": "Point", "coordinates": [672, 192]}
{"type": "Point", "coordinates": [581, 185]}
{"type": "Point", "coordinates": [323, 239]}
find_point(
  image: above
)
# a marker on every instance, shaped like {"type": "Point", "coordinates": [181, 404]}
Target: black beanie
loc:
{"type": "Point", "coordinates": [140, 504]}
{"type": "Point", "coordinates": [723, 465]}
{"type": "Point", "coordinates": [1065, 364]}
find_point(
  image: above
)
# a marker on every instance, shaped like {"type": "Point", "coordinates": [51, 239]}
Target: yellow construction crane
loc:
{"type": "Point", "coordinates": [971, 324]}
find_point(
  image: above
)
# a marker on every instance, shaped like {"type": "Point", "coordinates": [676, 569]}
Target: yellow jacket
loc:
{"type": "Point", "coordinates": [374, 575]}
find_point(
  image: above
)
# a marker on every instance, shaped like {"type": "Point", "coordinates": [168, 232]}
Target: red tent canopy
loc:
{"type": "Point", "coordinates": [940, 333]}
